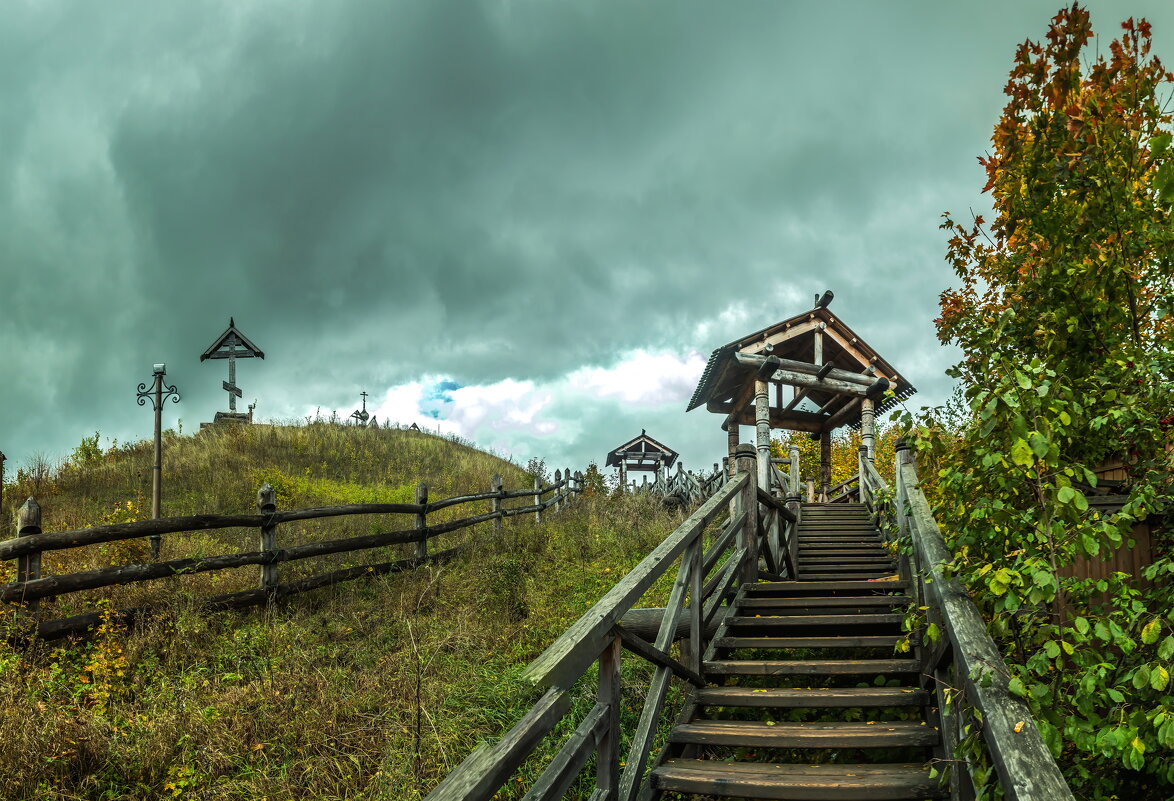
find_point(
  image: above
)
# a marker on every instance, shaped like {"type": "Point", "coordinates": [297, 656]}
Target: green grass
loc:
{"type": "Point", "coordinates": [370, 690]}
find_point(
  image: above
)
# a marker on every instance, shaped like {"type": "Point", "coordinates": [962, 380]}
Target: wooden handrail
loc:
{"type": "Point", "coordinates": [1026, 769]}
{"type": "Point", "coordinates": [579, 646]}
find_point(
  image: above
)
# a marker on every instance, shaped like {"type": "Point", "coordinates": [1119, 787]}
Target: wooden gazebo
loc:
{"type": "Point", "coordinates": [835, 378]}
{"type": "Point", "coordinates": [642, 453]}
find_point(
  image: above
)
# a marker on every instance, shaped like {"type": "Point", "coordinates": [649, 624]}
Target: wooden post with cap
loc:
{"type": "Point", "coordinates": [28, 524]}
{"type": "Point", "coordinates": [267, 505]}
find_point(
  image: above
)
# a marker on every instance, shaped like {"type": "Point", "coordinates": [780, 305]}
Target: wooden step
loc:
{"type": "Point", "coordinates": [809, 667]}
{"type": "Point", "coordinates": [805, 576]}
{"type": "Point", "coordinates": [831, 559]}
{"type": "Point", "coordinates": [787, 782]}
{"type": "Point", "coordinates": [824, 734]}
{"type": "Point", "coordinates": [843, 641]}
{"type": "Point", "coordinates": [831, 539]}
{"type": "Point", "coordinates": [764, 587]}
{"type": "Point", "coordinates": [797, 698]}
{"type": "Point", "coordinates": [775, 621]}
{"type": "Point", "coordinates": [844, 545]}
{"type": "Point", "coordinates": [802, 601]}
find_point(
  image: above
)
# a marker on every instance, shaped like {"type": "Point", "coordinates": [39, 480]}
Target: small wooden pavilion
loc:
{"type": "Point", "coordinates": [642, 453]}
{"type": "Point", "coordinates": [834, 377]}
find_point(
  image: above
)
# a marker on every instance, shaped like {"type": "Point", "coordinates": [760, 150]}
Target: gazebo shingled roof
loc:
{"type": "Point", "coordinates": [726, 384]}
{"type": "Point", "coordinates": [642, 444]}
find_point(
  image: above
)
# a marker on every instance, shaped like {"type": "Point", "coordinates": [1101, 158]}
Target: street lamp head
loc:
{"type": "Point", "coordinates": [161, 369]}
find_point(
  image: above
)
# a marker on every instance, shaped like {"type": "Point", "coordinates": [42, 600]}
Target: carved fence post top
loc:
{"type": "Point", "coordinates": [28, 516]}
{"type": "Point", "coordinates": [421, 492]}
{"type": "Point", "coordinates": [266, 498]}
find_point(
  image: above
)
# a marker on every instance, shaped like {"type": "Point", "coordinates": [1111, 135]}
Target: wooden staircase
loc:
{"type": "Point", "coordinates": [812, 702]}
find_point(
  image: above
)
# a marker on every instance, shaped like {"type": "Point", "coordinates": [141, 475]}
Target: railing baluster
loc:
{"type": "Point", "coordinates": [607, 769]}
{"type": "Point", "coordinates": [697, 608]}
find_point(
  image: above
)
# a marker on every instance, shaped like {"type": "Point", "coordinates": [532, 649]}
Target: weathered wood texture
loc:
{"type": "Point", "coordinates": [692, 614]}
{"type": "Point", "coordinates": [30, 542]}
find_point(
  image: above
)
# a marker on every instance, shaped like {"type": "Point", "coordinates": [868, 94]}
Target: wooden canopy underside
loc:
{"type": "Point", "coordinates": [807, 393]}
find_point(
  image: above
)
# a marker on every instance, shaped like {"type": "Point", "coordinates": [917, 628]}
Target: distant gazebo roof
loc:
{"type": "Point", "coordinates": [642, 453]}
{"type": "Point", "coordinates": [727, 384]}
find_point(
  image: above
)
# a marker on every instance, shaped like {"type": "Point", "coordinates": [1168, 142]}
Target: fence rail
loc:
{"type": "Point", "coordinates": [32, 587]}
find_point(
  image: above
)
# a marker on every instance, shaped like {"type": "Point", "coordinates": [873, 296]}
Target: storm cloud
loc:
{"type": "Point", "coordinates": [523, 221]}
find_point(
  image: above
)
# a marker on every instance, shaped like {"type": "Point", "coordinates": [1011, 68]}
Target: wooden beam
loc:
{"type": "Point", "coordinates": [806, 368]}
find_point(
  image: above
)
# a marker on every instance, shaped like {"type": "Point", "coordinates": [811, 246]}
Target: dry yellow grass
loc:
{"type": "Point", "coordinates": [370, 690]}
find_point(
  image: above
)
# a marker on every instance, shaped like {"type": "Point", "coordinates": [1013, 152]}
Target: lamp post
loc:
{"type": "Point", "coordinates": [158, 395]}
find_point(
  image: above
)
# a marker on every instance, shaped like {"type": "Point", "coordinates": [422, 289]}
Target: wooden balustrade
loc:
{"type": "Point", "coordinates": [703, 584]}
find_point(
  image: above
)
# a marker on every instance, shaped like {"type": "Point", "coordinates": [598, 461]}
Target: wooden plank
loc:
{"type": "Point", "coordinates": [657, 657]}
{"type": "Point", "coordinates": [607, 763]}
{"type": "Point", "coordinates": [787, 782]}
{"type": "Point", "coordinates": [811, 698]}
{"type": "Point", "coordinates": [807, 368]}
{"type": "Point", "coordinates": [810, 667]}
{"type": "Point", "coordinates": [568, 656]}
{"type": "Point", "coordinates": [842, 641]}
{"type": "Point", "coordinates": [825, 734]}
{"type": "Point", "coordinates": [483, 772]}
{"type": "Point", "coordinates": [649, 722]}
{"type": "Point", "coordinates": [571, 758]}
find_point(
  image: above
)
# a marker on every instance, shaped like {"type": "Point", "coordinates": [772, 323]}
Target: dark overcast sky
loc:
{"type": "Point", "coordinates": [524, 221]}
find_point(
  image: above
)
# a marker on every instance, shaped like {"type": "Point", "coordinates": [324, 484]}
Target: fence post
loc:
{"type": "Point", "coordinates": [748, 503]}
{"type": "Point", "coordinates": [863, 490]}
{"type": "Point", "coordinates": [422, 522]}
{"type": "Point", "coordinates": [558, 476]}
{"type": "Point", "coordinates": [607, 756]}
{"type": "Point", "coordinates": [578, 482]}
{"type": "Point", "coordinates": [537, 499]}
{"type": "Point", "coordinates": [495, 486]}
{"type": "Point", "coordinates": [28, 566]}
{"type": "Point", "coordinates": [267, 505]}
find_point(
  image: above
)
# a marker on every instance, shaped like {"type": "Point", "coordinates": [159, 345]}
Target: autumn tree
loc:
{"type": "Point", "coordinates": [1063, 316]}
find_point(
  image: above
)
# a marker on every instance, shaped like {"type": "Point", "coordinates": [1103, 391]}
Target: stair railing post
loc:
{"type": "Point", "coordinates": [793, 453]}
{"type": "Point", "coordinates": [607, 756]}
{"type": "Point", "coordinates": [267, 505]}
{"type": "Point", "coordinates": [495, 485]}
{"type": "Point", "coordinates": [422, 522]}
{"type": "Point", "coordinates": [862, 482]}
{"type": "Point", "coordinates": [910, 566]}
{"type": "Point", "coordinates": [28, 566]}
{"type": "Point", "coordinates": [748, 503]}
{"type": "Point", "coordinates": [537, 499]}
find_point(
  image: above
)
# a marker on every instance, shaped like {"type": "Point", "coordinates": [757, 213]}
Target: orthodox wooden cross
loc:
{"type": "Point", "coordinates": [232, 345]}
{"type": "Point", "coordinates": [361, 417]}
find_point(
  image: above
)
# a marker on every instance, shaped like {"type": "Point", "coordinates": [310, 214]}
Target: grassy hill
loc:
{"type": "Point", "coordinates": [369, 690]}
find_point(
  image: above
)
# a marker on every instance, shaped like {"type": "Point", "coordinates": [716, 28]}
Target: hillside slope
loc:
{"type": "Point", "coordinates": [369, 690]}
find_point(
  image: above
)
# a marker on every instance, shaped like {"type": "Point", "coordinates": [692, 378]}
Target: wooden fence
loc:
{"type": "Point", "coordinates": [31, 586]}
{"type": "Point", "coordinates": [691, 488]}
